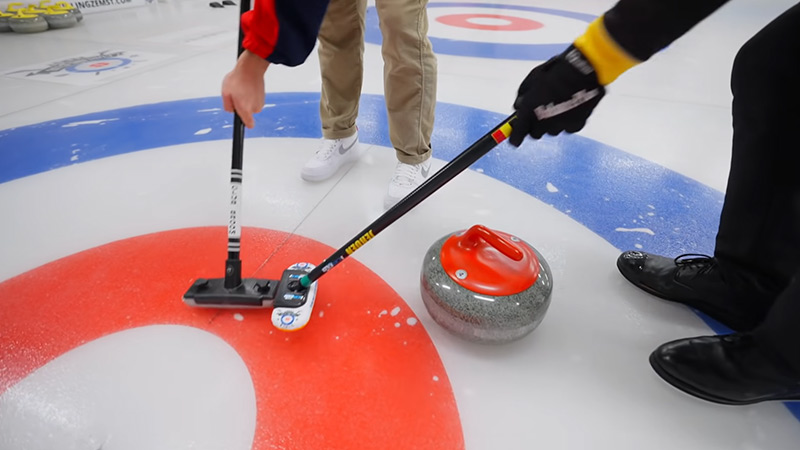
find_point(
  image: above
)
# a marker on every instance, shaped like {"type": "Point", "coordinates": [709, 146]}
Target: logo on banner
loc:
{"type": "Point", "coordinates": [91, 6]}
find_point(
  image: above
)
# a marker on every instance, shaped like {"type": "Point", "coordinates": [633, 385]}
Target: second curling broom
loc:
{"type": "Point", "coordinates": [460, 163]}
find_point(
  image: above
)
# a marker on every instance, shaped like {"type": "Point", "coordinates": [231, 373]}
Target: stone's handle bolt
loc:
{"type": "Point", "coordinates": [476, 233]}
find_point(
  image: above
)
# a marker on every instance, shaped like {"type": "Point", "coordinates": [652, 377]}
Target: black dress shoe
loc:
{"type": "Point", "coordinates": [698, 282]}
{"type": "Point", "coordinates": [732, 370]}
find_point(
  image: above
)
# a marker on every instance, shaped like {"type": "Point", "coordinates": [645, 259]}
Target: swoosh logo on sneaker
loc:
{"type": "Point", "coordinates": [343, 150]}
{"type": "Point", "coordinates": [425, 171]}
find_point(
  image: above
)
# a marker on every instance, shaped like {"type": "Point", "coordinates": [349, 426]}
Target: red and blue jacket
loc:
{"type": "Point", "coordinates": [283, 31]}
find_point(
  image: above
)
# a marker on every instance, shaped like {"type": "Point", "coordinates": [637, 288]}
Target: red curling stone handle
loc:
{"type": "Point", "coordinates": [488, 262]}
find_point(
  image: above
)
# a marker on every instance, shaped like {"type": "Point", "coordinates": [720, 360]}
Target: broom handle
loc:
{"type": "Point", "coordinates": [460, 163]}
{"type": "Point", "coordinates": [233, 265]}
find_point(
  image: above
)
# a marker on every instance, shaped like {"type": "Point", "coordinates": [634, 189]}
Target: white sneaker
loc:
{"type": "Point", "coordinates": [407, 177]}
{"type": "Point", "coordinates": [331, 156]}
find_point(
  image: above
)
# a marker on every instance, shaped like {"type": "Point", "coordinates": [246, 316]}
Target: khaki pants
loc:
{"type": "Point", "coordinates": [409, 72]}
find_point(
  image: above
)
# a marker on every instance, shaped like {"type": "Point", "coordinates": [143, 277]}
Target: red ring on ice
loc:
{"type": "Point", "coordinates": [467, 21]}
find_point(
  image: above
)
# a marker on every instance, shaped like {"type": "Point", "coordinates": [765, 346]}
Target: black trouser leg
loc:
{"type": "Point", "coordinates": [781, 328]}
{"type": "Point", "coordinates": [758, 238]}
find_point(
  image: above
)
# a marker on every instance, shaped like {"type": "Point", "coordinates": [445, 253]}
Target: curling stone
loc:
{"type": "Point", "coordinates": [23, 22]}
{"type": "Point", "coordinates": [5, 25]}
{"type": "Point", "coordinates": [66, 6]}
{"type": "Point", "coordinates": [485, 285]}
{"type": "Point", "coordinates": [60, 18]}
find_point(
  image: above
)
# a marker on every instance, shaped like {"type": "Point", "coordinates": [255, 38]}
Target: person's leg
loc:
{"type": "Point", "coordinates": [409, 83]}
{"type": "Point", "coordinates": [781, 328]}
{"type": "Point", "coordinates": [758, 247]}
{"type": "Point", "coordinates": [409, 74]}
{"type": "Point", "coordinates": [759, 233]}
{"type": "Point", "coordinates": [756, 238]}
{"type": "Point", "coordinates": [740, 368]}
{"type": "Point", "coordinates": [341, 61]}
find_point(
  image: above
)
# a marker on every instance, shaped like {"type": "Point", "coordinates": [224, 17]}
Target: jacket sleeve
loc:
{"type": "Point", "coordinates": [283, 31]}
{"type": "Point", "coordinates": [634, 30]}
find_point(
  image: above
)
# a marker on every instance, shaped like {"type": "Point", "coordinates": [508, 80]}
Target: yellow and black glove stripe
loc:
{"type": "Point", "coordinates": [606, 56]}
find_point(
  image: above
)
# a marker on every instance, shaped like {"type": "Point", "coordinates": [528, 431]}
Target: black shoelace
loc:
{"type": "Point", "coordinates": [695, 261]}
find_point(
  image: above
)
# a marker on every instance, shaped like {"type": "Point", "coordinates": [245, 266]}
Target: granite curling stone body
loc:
{"type": "Point", "coordinates": [66, 6]}
{"type": "Point", "coordinates": [28, 23]}
{"type": "Point", "coordinates": [5, 25]}
{"type": "Point", "coordinates": [485, 285]}
{"type": "Point", "coordinates": [58, 18]}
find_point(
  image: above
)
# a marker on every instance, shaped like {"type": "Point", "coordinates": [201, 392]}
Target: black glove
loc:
{"type": "Point", "coordinates": [556, 96]}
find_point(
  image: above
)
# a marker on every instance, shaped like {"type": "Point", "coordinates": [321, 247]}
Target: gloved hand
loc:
{"type": "Point", "coordinates": [556, 96]}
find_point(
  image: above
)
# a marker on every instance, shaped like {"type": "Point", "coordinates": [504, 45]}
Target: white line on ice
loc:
{"type": "Point", "coordinates": [87, 122]}
{"type": "Point", "coordinates": [637, 230]}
